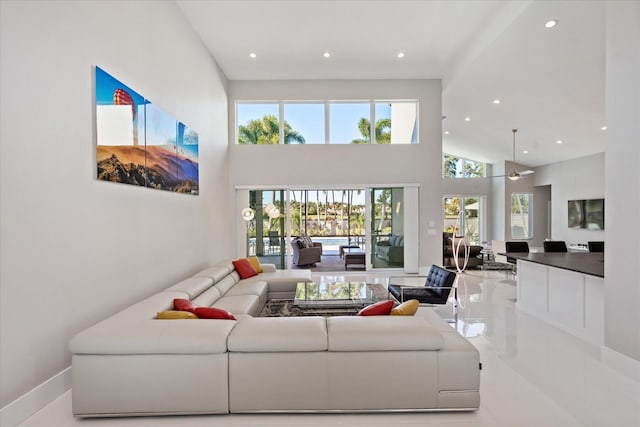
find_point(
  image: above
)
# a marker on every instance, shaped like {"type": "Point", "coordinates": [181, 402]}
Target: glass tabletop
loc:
{"type": "Point", "coordinates": [338, 293]}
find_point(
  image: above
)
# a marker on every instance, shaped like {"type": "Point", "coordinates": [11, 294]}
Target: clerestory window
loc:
{"type": "Point", "coordinates": [327, 122]}
{"type": "Point", "coordinates": [459, 167]}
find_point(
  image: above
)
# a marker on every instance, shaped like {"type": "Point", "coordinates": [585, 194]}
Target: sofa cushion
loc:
{"type": "Point", "coordinates": [213, 313]}
{"type": "Point", "coordinates": [208, 297]}
{"type": "Point", "coordinates": [239, 304]}
{"type": "Point", "coordinates": [279, 334]}
{"type": "Point", "coordinates": [175, 314]}
{"type": "Point", "coordinates": [246, 287]}
{"type": "Point", "coordinates": [244, 268]}
{"type": "Point", "coordinates": [216, 273]}
{"type": "Point", "coordinates": [381, 333]}
{"type": "Point", "coordinates": [381, 308]}
{"type": "Point", "coordinates": [407, 308]}
{"type": "Point", "coordinates": [194, 286]}
{"type": "Point", "coordinates": [308, 243]}
{"type": "Point", "coordinates": [227, 283]}
{"type": "Point", "coordinates": [121, 337]}
{"type": "Point", "coordinates": [149, 307]}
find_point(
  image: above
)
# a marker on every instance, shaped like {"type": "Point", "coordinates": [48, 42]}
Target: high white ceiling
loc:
{"type": "Point", "coordinates": [550, 82]}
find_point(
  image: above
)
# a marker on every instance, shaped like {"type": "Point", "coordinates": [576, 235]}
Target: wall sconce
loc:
{"type": "Point", "coordinates": [247, 215]}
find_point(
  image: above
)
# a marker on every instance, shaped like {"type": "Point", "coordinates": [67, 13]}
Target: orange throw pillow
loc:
{"type": "Point", "coordinates": [255, 262]}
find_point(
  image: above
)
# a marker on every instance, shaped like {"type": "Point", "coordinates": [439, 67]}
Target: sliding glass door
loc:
{"type": "Point", "coordinates": [368, 221]}
{"type": "Point", "coordinates": [387, 227]}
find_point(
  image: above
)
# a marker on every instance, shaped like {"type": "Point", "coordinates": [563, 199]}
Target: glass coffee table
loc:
{"type": "Point", "coordinates": [339, 294]}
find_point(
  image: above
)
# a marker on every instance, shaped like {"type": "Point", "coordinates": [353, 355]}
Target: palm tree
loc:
{"type": "Point", "coordinates": [267, 131]}
{"type": "Point", "coordinates": [383, 131]}
{"type": "Point", "coordinates": [450, 166]}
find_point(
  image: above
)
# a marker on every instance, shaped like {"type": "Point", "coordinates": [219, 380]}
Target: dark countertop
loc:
{"type": "Point", "coordinates": [591, 263]}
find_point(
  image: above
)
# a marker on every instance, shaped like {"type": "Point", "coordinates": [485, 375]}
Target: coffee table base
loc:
{"type": "Point", "coordinates": [287, 308]}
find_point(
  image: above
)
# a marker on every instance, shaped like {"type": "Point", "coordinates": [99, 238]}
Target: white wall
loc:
{"type": "Point", "coordinates": [541, 214]}
{"type": "Point", "coordinates": [75, 250]}
{"type": "Point", "coordinates": [498, 225]}
{"type": "Point", "coordinates": [581, 178]}
{"type": "Point", "coordinates": [349, 165]}
{"type": "Point", "coordinates": [622, 204]}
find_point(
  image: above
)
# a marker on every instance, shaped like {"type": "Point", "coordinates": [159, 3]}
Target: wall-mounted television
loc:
{"type": "Point", "coordinates": [587, 213]}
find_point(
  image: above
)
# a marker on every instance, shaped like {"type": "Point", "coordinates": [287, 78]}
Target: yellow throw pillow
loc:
{"type": "Point", "coordinates": [407, 308]}
{"type": "Point", "coordinates": [255, 263]}
{"type": "Point", "coordinates": [175, 314]}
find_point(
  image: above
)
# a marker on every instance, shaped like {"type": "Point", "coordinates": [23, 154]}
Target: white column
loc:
{"type": "Point", "coordinates": [622, 184]}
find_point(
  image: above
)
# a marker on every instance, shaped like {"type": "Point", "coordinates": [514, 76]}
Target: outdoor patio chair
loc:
{"type": "Point", "coordinates": [274, 242]}
{"type": "Point", "coordinates": [306, 255]}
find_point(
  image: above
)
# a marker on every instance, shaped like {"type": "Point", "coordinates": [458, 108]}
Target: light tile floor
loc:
{"type": "Point", "coordinates": [533, 375]}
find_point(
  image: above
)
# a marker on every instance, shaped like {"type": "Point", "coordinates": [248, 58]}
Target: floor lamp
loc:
{"type": "Point", "coordinates": [248, 214]}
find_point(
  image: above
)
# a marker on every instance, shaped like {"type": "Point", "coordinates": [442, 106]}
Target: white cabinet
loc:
{"type": "Point", "coordinates": [567, 299]}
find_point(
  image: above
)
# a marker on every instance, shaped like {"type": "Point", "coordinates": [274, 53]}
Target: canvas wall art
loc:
{"type": "Point", "coordinates": [139, 143]}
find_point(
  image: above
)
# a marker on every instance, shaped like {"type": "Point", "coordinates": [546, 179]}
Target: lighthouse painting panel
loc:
{"type": "Point", "coordinates": [120, 150]}
{"type": "Point", "coordinates": [139, 143]}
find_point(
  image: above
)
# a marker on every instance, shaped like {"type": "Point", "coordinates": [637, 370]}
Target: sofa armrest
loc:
{"type": "Point", "coordinates": [268, 268]}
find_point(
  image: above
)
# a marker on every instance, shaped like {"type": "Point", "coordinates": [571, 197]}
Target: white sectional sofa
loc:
{"type": "Point", "coordinates": [134, 364]}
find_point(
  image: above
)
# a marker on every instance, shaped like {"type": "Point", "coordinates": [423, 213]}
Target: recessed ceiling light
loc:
{"type": "Point", "coordinates": [603, 128]}
{"type": "Point", "coordinates": [467, 119]}
{"type": "Point", "coordinates": [446, 132]}
{"type": "Point", "coordinates": [525, 151]}
{"type": "Point", "coordinates": [400, 55]}
{"type": "Point", "coordinates": [550, 24]}
{"type": "Point", "coordinates": [252, 55]}
{"type": "Point", "coordinates": [496, 101]}
{"type": "Point", "coordinates": [326, 54]}
{"type": "Point", "coordinates": [559, 141]}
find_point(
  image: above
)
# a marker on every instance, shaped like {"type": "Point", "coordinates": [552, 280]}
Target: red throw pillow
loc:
{"type": "Point", "coordinates": [182, 304]}
{"type": "Point", "coordinates": [381, 308]}
{"type": "Point", "coordinates": [213, 313]}
{"type": "Point", "coordinates": [244, 268]}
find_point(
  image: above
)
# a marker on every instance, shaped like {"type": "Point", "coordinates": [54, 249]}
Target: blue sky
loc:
{"type": "Point", "coordinates": [308, 118]}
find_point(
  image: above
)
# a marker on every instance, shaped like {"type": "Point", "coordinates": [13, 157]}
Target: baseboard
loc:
{"type": "Point", "coordinates": [621, 363]}
{"type": "Point", "coordinates": [31, 402]}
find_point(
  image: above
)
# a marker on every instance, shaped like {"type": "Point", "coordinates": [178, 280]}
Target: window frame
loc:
{"type": "Point", "coordinates": [529, 234]}
{"type": "Point", "coordinates": [327, 118]}
{"type": "Point", "coordinates": [481, 201]}
{"type": "Point", "coordinates": [464, 161]}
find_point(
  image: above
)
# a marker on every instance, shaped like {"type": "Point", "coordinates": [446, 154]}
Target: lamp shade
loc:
{"type": "Point", "coordinates": [248, 214]}
{"type": "Point", "coordinates": [272, 211]}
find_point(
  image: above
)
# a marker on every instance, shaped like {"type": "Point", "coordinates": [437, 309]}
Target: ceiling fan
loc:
{"type": "Point", "coordinates": [514, 175]}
